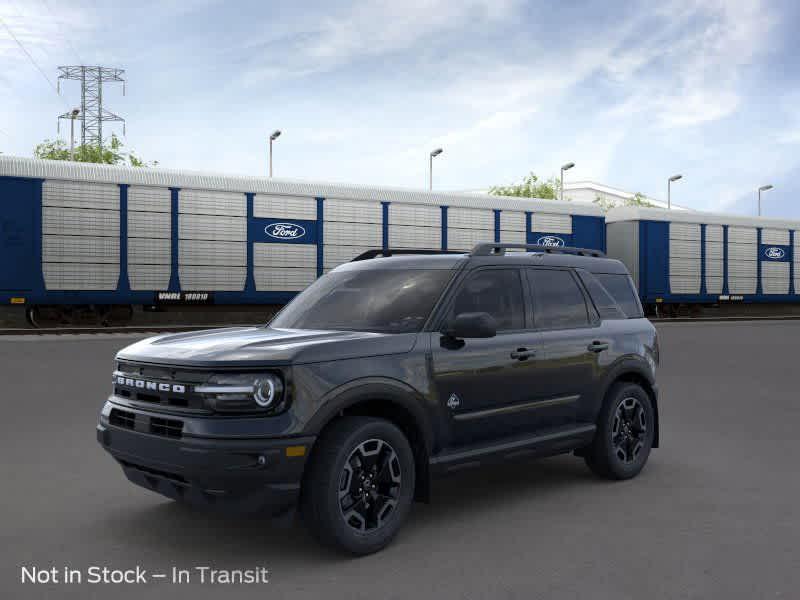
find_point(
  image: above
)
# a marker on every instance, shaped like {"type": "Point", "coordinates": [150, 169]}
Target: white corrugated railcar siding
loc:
{"type": "Point", "coordinates": [551, 223]}
{"type": "Point", "coordinates": [469, 226]}
{"type": "Point", "coordinates": [415, 226]}
{"type": "Point", "coordinates": [512, 227]}
{"type": "Point", "coordinates": [149, 237]}
{"type": "Point", "coordinates": [276, 266]}
{"type": "Point", "coordinates": [80, 235]}
{"type": "Point", "coordinates": [684, 258]}
{"type": "Point", "coordinates": [349, 227]}
{"type": "Point", "coordinates": [742, 257]}
{"type": "Point", "coordinates": [774, 275]}
{"type": "Point", "coordinates": [715, 272]}
{"type": "Point", "coordinates": [212, 228]}
{"type": "Point", "coordinates": [284, 207]}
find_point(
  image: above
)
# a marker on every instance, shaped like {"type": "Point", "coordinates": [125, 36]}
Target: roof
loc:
{"type": "Point", "coordinates": [12, 166]}
{"type": "Point", "coordinates": [448, 261]}
{"type": "Point", "coordinates": [613, 191]}
{"type": "Point", "coordinates": [635, 213]}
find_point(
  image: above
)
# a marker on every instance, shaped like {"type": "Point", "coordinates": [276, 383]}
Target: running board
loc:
{"type": "Point", "coordinates": [556, 441]}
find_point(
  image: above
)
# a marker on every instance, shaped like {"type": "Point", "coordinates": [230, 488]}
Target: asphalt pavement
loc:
{"type": "Point", "coordinates": [713, 515]}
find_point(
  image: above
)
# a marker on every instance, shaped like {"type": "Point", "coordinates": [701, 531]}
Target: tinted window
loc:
{"type": "Point", "coordinates": [494, 291]}
{"type": "Point", "coordinates": [558, 302]}
{"type": "Point", "coordinates": [621, 289]}
{"type": "Point", "coordinates": [387, 301]}
{"type": "Point", "coordinates": [606, 305]}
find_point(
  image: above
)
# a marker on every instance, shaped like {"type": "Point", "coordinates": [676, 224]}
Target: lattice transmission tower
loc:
{"type": "Point", "coordinates": [92, 114]}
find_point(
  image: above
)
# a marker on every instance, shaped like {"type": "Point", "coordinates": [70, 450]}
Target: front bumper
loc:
{"type": "Point", "coordinates": [232, 475]}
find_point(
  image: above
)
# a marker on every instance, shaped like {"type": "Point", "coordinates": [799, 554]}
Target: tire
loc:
{"type": "Point", "coordinates": [625, 431]}
{"type": "Point", "coordinates": [339, 512]}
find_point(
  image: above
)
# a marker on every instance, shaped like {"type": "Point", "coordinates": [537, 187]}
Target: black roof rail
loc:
{"type": "Point", "coordinates": [399, 251]}
{"type": "Point", "coordinates": [488, 249]}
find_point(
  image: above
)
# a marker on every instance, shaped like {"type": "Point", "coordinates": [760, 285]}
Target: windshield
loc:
{"type": "Point", "coordinates": [385, 301]}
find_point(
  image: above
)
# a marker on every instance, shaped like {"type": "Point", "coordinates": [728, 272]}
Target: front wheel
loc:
{"type": "Point", "coordinates": [360, 485]}
{"type": "Point", "coordinates": [625, 431]}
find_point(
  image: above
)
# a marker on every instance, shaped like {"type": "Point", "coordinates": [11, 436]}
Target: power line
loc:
{"type": "Point", "coordinates": [60, 24]}
{"type": "Point", "coordinates": [30, 57]}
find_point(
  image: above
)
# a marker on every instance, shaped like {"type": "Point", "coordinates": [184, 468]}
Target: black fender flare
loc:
{"type": "Point", "coordinates": [638, 367]}
{"type": "Point", "coordinates": [374, 388]}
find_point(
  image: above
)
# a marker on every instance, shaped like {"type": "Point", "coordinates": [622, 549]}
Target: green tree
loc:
{"type": "Point", "coordinates": [638, 199]}
{"type": "Point", "coordinates": [530, 187]}
{"type": "Point", "coordinates": [110, 154]}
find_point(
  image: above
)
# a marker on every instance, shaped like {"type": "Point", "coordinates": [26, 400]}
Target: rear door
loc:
{"type": "Point", "coordinates": [571, 343]}
{"type": "Point", "coordinates": [17, 205]}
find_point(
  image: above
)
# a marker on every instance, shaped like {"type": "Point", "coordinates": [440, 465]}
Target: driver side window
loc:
{"type": "Point", "coordinates": [494, 291]}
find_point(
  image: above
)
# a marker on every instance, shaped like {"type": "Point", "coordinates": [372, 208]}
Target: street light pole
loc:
{"type": "Point", "coordinates": [436, 152]}
{"type": "Point", "coordinates": [73, 114]}
{"type": "Point", "coordinates": [565, 167]}
{"type": "Point", "coordinates": [669, 191]}
{"type": "Point", "coordinates": [275, 135]}
{"type": "Point", "coordinates": [763, 188]}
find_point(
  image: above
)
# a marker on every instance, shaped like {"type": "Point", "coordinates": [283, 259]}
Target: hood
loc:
{"type": "Point", "coordinates": [251, 346]}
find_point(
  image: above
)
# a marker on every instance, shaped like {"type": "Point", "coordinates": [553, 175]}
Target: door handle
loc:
{"type": "Point", "coordinates": [523, 354]}
{"type": "Point", "coordinates": [597, 346]}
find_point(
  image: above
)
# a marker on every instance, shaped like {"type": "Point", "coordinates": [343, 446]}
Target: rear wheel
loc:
{"type": "Point", "coordinates": [360, 485]}
{"type": "Point", "coordinates": [624, 434]}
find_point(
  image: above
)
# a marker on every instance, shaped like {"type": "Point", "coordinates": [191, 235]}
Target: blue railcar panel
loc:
{"type": "Point", "coordinates": [589, 232]}
{"type": "Point", "coordinates": [544, 238]}
{"type": "Point", "coordinates": [174, 278]}
{"type": "Point", "coordinates": [320, 237]}
{"type": "Point", "coordinates": [703, 259]}
{"type": "Point", "coordinates": [653, 260]}
{"type": "Point", "coordinates": [250, 280]}
{"type": "Point", "coordinates": [759, 287]}
{"type": "Point", "coordinates": [775, 252]}
{"type": "Point", "coordinates": [123, 285]}
{"type": "Point", "coordinates": [19, 200]}
{"type": "Point", "coordinates": [282, 231]}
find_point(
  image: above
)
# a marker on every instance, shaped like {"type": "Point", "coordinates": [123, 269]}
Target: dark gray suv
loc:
{"type": "Point", "coordinates": [390, 369]}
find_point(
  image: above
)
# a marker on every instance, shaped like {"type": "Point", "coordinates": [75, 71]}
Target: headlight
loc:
{"type": "Point", "coordinates": [247, 392]}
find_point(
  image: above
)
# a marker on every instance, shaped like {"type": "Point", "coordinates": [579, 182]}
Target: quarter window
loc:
{"type": "Point", "coordinates": [620, 286]}
{"type": "Point", "coordinates": [494, 291]}
{"type": "Point", "coordinates": [558, 302]}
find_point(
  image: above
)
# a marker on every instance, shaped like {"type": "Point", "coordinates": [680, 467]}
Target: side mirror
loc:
{"type": "Point", "coordinates": [472, 325]}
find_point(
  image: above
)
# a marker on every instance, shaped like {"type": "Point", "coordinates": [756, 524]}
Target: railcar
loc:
{"type": "Point", "coordinates": [688, 259]}
{"type": "Point", "coordinates": [81, 238]}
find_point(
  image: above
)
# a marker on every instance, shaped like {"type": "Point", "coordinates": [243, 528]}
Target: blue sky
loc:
{"type": "Point", "coordinates": [631, 92]}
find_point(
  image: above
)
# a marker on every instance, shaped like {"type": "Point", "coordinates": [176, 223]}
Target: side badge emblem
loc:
{"type": "Point", "coordinates": [453, 401]}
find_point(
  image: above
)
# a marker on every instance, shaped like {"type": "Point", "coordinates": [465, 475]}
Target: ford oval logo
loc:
{"type": "Point", "coordinates": [285, 231]}
{"type": "Point", "coordinates": [550, 240]}
{"type": "Point", "coordinates": [775, 253]}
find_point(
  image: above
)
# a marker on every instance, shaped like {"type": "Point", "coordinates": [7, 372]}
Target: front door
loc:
{"type": "Point", "coordinates": [487, 386]}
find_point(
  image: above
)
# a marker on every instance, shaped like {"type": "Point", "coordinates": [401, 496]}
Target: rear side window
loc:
{"type": "Point", "coordinates": [558, 302]}
{"type": "Point", "coordinates": [494, 291]}
{"type": "Point", "coordinates": [620, 286]}
{"type": "Point", "coordinates": [606, 306]}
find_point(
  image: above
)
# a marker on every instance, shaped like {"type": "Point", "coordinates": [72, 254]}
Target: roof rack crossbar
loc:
{"type": "Point", "coordinates": [369, 254]}
{"type": "Point", "coordinates": [488, 249]}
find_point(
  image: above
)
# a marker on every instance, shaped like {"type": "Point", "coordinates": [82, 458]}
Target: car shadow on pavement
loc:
{"type": "Point", "coordinates": [190, 535]}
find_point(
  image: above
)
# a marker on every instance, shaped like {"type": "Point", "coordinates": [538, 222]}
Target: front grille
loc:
{"type": "Point", "coordinates": [184, 400]}
{"type": "Point", "coordinates": [166, 427]}
{"type": "Point", "coordinates": [122, 418]}
{"type": "Point", "coordinates": [171, 428]}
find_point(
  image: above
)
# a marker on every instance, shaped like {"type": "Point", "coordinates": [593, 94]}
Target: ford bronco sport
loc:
{"type": "Point", "coordinates": [388, 370]}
